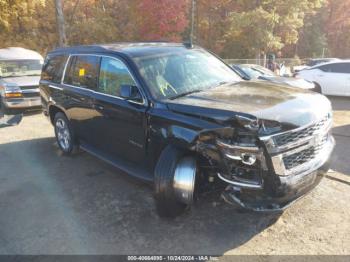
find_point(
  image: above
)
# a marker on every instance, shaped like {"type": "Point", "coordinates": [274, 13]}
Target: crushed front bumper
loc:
{"type": "Point", "coordinates": [264, 202]}
{"type": "Point", "coordinates": [297, 161]}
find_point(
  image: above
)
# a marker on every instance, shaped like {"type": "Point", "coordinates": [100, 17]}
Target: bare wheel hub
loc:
{"type": "Point", "coordinates": [63, 135]}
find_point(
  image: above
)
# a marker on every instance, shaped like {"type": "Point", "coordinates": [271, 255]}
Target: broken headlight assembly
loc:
{"type": "Point", "coordinates": [243, 161]}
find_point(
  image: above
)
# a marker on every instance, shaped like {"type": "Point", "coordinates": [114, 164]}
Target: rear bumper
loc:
{"type": "Point", "coordinates": [26, 102]}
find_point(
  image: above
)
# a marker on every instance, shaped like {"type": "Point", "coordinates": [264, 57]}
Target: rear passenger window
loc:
{"type": "Point", "coordinates": [82, 71]}
{"type": "Point", "coordinates": [53, 68]}
{"type": "Point", "coordinates": [113, 74]}
{"type": "Point", "coordinates": [342, 68]}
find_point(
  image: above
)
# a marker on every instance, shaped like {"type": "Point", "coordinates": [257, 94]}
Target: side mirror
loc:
{"type": "Point", "coordinates": [130, 92]}
{"type": "Point", "coordinates": [10, 120]}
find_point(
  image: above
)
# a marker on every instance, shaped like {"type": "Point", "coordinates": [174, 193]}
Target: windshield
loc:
{"type": "Point", "coordinates": [177, 73]}
{"type": "Point", "coordinates": [14, 68]}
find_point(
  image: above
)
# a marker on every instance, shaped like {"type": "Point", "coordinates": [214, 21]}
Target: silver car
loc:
{"type": "Point", "coordinates": [20, 71]}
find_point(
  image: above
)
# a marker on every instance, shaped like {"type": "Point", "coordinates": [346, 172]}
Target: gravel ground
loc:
{"type": "Point", "coordinates": [52, 204]}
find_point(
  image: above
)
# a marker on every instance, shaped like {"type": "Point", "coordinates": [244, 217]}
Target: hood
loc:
{"type": "Point", "coordinates": [295, 82]}
{"type": "Point", "coordinates": [21, 80]}
{"type": "Point", "coordinates": [288, 105]}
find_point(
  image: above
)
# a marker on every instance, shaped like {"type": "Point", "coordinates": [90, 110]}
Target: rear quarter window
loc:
{"type": "Point", "coordinates": [53, 68]}
{"type": "Point", "coordinates": [342, 68]}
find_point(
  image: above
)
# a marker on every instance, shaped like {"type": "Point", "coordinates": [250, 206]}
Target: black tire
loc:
{"type": "Point", "coordinates": [317, 88]}
{"type": "Point", "coordinates": [166, 203]}
{"type": "Point", "coordinates": [72, 145]}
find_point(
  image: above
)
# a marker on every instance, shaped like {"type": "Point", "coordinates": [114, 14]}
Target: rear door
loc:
{"type": "Point", "coordinates": [80, 81]}
{"type": "Point", "coordinates": [119, 125]}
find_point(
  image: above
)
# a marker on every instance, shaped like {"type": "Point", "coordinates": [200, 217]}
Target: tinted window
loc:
{"type": "Point", "coordinates": [82, 71]}
{"type": "Point", "coordinates": [113, 74]}
{"type": "Point", "coordinates": [341, 68]}
{"type": "Point", "coordinates": [336, 68]}
{"type": "Point", "coordinates": [53, 68]}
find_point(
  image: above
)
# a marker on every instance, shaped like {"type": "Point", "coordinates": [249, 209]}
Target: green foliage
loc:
{"type": "Point", "coordinates": [268, 25]}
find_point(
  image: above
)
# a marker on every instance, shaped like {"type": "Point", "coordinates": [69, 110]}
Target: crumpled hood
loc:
{"type": "Point", "coordinates": [21, 80]}
{"type": "Point", "coordinates": [263, 100]}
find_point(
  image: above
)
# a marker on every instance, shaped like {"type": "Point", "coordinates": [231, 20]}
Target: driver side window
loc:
{"type": "Point", "coordinates": [113, 74]}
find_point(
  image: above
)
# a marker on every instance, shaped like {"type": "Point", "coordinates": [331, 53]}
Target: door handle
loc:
{"type": "Point", "coordinates": [98, 107]}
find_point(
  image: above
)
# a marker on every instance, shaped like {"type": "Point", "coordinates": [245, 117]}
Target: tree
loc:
{"type": "Point", "coordinates": [338, 27]}
{"type": "Point", "coordinates": [60, 23]}
{"type": "Point", "coordinates": [20, 24]}
{"type": "Point", "coordinates": [268, 25]}
{"type": "Point", "coordinates": [162, 19]}
{"type": "Point", "coordinates": [312, 36]}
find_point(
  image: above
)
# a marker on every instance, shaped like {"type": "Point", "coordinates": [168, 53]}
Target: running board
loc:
{"type": "Point", "coordinates": [122, 165]}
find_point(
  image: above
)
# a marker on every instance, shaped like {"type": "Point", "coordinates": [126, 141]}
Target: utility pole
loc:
{"type": "Point", "coordinates": [60, 23]}
{"type": "Point", "coordinates": [193, 8]}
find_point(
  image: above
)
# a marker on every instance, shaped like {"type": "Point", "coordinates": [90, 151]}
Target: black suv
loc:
{"type": "Point", "coordinates": [179, 117]}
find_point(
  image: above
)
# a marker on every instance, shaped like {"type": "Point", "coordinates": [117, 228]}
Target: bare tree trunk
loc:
{"type": "Point", "coordinates": [193, 8]}
{"type": "Point", "coordinates": [60, 23]}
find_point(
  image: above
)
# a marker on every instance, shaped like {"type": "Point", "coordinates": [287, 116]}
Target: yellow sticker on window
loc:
{"type": "Point", "coordinates": [81, 72]}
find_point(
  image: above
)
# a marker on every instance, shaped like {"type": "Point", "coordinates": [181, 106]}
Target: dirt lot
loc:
{"type": "Point", "coordinates": [51, 204]}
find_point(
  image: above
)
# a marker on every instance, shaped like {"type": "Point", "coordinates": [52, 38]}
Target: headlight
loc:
{"type": "Point", "coordinates": [245, 154]}
{"type": "Point", "coordinates": [269, 127]}
{"type": "Point", "coordinates": [247, 122]}
{"type": "Point", "coordinates": [12, 91]}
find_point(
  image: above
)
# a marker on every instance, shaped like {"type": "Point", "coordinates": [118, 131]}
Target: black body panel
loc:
{"type": "Point", "coordinates": [131, 135]}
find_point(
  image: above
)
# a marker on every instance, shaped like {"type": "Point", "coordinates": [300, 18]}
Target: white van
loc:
{"type": "Point", "coordinates": [20, 71]}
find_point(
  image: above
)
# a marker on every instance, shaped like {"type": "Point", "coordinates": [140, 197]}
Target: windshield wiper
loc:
{"type": "Point", "coordinates": [186, 94]}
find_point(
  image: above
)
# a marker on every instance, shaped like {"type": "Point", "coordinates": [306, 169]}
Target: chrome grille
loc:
{"type": "Point", "coordinates": [302, 149]}
{"type": "Point", "coordinates": [304, 156]}
{"type": "Point", "coordinates": [29, 87]}
{"type": "Point", "coordinates": [292, 137]}
{"type": "Point", "coordinates": [32, 94]}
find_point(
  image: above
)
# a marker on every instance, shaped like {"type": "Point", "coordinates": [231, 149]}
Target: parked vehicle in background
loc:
{"type": "Point", "coordinates": [331, 78]}
{"type": "Point", "coordinates": [20, 71]}
{"type": "Point", "coordinates": [178, 117]}
{"type": "Point", "coordinates": [257, 72]}
{"type": "Point", "coordinates": [312, 62]}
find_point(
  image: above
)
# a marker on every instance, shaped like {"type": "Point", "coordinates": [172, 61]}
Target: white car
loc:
{"type": "Point", "coordinates": [313, 62]}
{"type": "Point", "coordinates": [330, 78]}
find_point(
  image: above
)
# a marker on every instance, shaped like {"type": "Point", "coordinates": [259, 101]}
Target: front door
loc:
{"type": "Point", "coordinates": [119, 125]}
{"type": "Point", "coordinates": [334, 78]}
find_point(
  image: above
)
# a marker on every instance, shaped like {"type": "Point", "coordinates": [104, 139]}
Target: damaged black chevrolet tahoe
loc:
{"type": "Point", "coordinates": [180, 118]}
